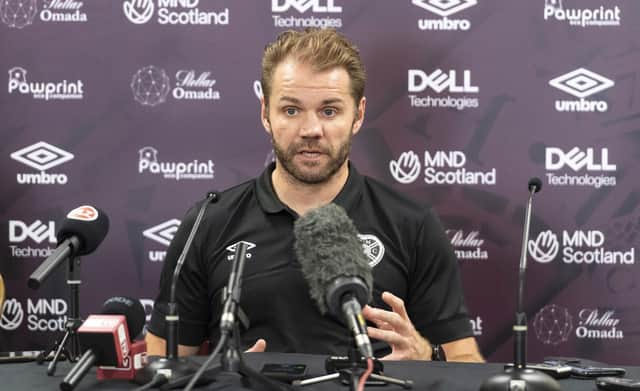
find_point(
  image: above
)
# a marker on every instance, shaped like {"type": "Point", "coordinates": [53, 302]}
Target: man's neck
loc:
{"type": "Point", "coordinates": [302, 197]}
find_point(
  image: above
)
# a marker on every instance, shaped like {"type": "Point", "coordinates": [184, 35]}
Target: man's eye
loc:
{"type": "Point", "coordinates": [291, 111]}
{"type": "Point", "coordinates": [329, 112]}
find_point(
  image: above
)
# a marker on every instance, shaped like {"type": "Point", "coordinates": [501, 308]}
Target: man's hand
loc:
{"type": "Point", "coordinates": [258, 347]}
{"type": "Point", "coordinates": [395, 328]}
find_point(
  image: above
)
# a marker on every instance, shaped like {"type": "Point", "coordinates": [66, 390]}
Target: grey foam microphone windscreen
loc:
{"type": "Point", "coordinates": [328, 247]}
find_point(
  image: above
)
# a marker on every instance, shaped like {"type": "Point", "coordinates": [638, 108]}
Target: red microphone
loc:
{"type": "Point", "coordinates": [106, 343]}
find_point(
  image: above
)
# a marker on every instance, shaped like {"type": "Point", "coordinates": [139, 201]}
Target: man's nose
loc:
{"type": "Point", "coordinates": [311, 126]}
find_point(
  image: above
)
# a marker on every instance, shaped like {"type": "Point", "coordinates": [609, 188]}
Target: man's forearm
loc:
{"type": "Point", "coordinates": [463, 350]}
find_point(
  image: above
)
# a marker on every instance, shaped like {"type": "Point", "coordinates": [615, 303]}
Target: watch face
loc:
{"type": "Point", "coordinates": [437, 353]}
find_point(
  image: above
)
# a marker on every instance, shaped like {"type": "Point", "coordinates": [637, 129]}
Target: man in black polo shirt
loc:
{"type": "Point", "coordinates": [313, 104]}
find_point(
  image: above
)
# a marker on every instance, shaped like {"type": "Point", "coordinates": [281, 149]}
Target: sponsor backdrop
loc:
{"type": "Point", "coordinates": [139, 107]}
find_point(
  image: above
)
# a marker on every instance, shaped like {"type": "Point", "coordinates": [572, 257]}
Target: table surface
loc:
{"type": "Point", "coordinates": [425, 375]}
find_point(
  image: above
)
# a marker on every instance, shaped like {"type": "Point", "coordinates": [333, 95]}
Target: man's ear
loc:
{"type": "Point", "coordinates": [264, 115]}
{"type": "Point", "coordinates": [359, 118]}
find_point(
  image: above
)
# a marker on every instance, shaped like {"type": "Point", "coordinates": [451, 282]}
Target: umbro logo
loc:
{"type": "Point", "coordinates": [581, 83]}
{"type": "Point", "coordinates": [41, 156]}
{"type": "Point", "coordinates": [444, 8]}
{"type": "Point", "coordinates": [232, 249]}
{"type": "Point", "coordinates": [163, 233]}
{"type": "Point", "coordinates": [234, 246]}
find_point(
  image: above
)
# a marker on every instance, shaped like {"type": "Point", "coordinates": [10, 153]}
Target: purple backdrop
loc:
{"type": "Point", "coordinates": [141, 106]}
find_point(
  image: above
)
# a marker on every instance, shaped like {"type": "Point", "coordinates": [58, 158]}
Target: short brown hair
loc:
{"type": "Point", "coordinates": [321, 48]}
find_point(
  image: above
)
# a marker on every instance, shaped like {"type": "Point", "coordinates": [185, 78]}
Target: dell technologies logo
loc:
{"type": "Point", "coordinates": [588, 167]}
{"type": "Point", "coordinates": [286, 13]}
{"type": "Point", "coordinates": [37, 232]}
{"type": "Point", "coordinates": [440, 82]}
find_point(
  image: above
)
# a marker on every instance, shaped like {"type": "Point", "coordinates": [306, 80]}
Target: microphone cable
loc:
{"type": "Point", "coordinates": [157, 380]}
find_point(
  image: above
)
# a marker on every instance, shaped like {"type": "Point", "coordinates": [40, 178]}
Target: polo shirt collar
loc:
{"type": "Point", "coordinates": [348, 197]}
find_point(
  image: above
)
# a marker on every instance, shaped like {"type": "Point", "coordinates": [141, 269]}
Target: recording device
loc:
{"type": "Point", "coordinates": [284, 372]}
{"type": "Point", "coordinates": [337, 363]}
{"type": "Point", "coordinates": [335, 268]}
{"type": "Point", "coordinates": [556, 371]}
{"type": "Point", "coordinates": [105, 339]}
{"type": "Point", "coordinates": [80, 233]}
{"type": "Point", "coordinates": [585, 371]}
{"type": "Point", "coordinates": [520, 376]}
{"type": "Point", "coordinates": [617, 384]}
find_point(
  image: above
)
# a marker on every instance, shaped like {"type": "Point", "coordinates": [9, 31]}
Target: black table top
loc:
{"type": "Point", "coordinates": [425, 375]}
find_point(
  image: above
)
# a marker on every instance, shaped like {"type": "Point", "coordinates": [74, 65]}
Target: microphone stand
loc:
{"type": "Point", "coordinates": [173, 366]}
{"type": "Point", "coordinates": [232, 367]}
{"type": "Point", "coordinates": [520, 377]}
{"type": "Point", "coordinates": [349, 369]}
{"type": "Point", "coordinates": [70, 337]}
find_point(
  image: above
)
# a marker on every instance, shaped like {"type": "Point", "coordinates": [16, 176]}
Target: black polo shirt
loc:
{"type": "Point", "coordinates": [408, 250]}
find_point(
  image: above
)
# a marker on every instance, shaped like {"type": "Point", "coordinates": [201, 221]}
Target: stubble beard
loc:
{"type": "Point", "coordinates": [312, 174]}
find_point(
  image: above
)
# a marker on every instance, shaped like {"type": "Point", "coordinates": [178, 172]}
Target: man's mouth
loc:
{"type": "Point", "coordinates": [310, 153]}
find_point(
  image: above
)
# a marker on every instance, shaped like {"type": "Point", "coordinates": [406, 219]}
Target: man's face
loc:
{"type": "Point", "coordinates": [311, 118]}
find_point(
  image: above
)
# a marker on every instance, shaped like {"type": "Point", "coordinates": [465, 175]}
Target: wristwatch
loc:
{"type": "Point", "coordinates": [437, 353]}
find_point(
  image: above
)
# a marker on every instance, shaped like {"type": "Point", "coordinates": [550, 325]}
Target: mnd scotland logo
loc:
{"type": "Point", "coordinates": [438, 81]}
{"type": "Point", "coordinates": [21, 13]}
{"type": "Point", "coordinates": [444, 9]}
{"type": "Point", "coordinates": [44, 90]}
{"type": "Point", "coordinates": [582, 17]}
{"type": "Point", "coordinates": [581, 83]}
{"type": "Point", "coordinates": [42, 315]}
{"type": "Point", "coordinates": [406, 168]}
{"type": "Point", "coordinates": [440, 168]}
{"type": "Point", "coordinates": [12, 315]}
{"type": "Point", "coordinates": [173, 12]}
{"type": "Point", "coordinates": [41, 156]}
{"type": "Point", "coordinates": [578, 247]}
{"type": "Point", "coordinates": [286, 13]}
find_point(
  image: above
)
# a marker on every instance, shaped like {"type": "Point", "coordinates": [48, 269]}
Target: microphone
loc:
{"type": "Point", "coordinates": [535, 184]}
{"type": "Point", "coordinates": [335, 268]}
{"type": "Point", "coordinates": [80, 233]}
{"type": "Point", "coordinates": [520, 377]}
{"type": "Point", "coordinates": [106, 338]}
